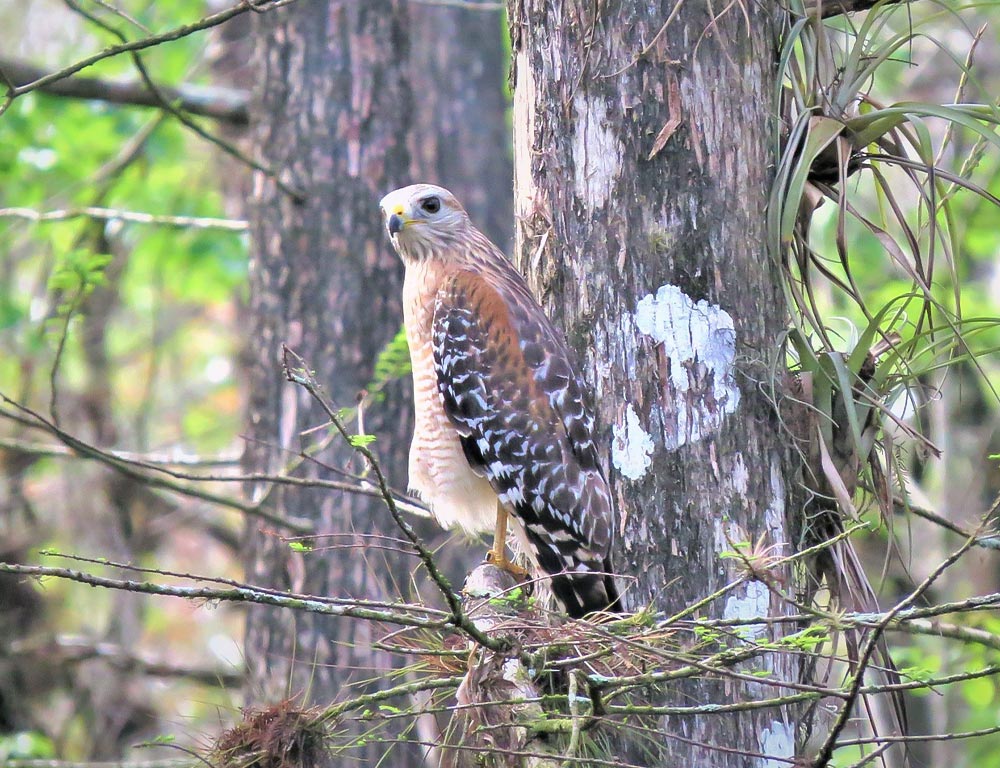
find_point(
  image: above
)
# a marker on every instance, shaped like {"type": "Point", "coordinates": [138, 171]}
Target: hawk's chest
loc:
{"type": "Point", "coordinates": [438, 469]}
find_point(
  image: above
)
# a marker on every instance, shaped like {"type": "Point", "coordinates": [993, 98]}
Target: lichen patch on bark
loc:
{"type": "Point", "coordinates": [755, 602]}
{"type": "Point", "coordinates": [777, 741]}
{"type": "Point", "coordinates": [699, 340]}
{"type": "Point", "coordinates": [632, 447]}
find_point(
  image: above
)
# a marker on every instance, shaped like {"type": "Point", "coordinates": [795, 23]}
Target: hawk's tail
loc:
{"type": "Point", "coordinates": [587, 591]}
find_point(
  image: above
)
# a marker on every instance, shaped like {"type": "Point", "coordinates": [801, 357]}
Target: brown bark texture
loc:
{"type": "Point", "coordinates": [644, 138]}
{"type": "Point", "coordinates": [348, 109]}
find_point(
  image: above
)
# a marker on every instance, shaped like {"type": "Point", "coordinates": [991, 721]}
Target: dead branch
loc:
{"type": "Point", "coordinates": [226, 105]}
{"type": "Point", "coordinates": [66, 650]}
{"type": "Point", "coordinates": [164, 103]}
{"type": "Point", "coordinates": [868, 649]}
{"type": "Point", "coordinates": [133, 217]}
{"type": "Point", "coordinates": [23, 414]}
{"type": "Point", "coordinates": [177, 33]}
{"type": "Point", "coordinates": [403, 614]}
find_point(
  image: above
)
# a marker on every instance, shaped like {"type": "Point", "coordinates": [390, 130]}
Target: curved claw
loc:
{"type": "Point", "coordinates": [500, 560]}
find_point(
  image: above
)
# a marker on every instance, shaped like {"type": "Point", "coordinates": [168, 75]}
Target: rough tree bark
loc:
{"type": "Point", "coordinates": [643, 156]}
{"type": "Point", "coordinates": [343, 86]}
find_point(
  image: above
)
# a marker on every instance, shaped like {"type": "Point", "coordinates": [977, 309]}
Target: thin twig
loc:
{"type": "Point", "coordinates": [125, 468]}
{"type": "Point", "coordinates": [826, 751]}
{"type": "Point", "coordinates": [164, 465]}
{"type": "Point", "coordinates": [182, 117]}
{"type": "Point", "coordinates": [299, 373]}
{"type": "Point", "coordinates": [75, 650]}
{"type": "Point", "coordinates": [177, 33]}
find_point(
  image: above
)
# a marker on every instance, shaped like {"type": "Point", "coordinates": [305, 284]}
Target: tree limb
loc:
{"type": "Point", "coordinates": [134, 217]}
{"type": "Point", "coordinates": [74, 650]}
{"type": "Point", "coordinates": [226, 105]}
{"type": "Point", "coordinates": [404, 614]}
{"type": "Point", "coordinates": [177, 33]}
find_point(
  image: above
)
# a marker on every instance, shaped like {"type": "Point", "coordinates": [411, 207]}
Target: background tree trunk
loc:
{"type": "Point", "coordinates": [348, 110]}
{"type": "Point", "coordinates": [643, 157]}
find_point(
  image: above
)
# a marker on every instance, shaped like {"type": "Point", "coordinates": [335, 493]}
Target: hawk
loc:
{"type": "Point", "coordinates": [501, 425]}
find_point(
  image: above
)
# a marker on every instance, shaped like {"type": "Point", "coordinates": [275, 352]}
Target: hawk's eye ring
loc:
{"type": "Point", "coordinates": [431, 204]}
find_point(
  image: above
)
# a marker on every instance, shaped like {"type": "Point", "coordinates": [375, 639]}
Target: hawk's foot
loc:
{"type": "Point", "coordinates": [500, 560]}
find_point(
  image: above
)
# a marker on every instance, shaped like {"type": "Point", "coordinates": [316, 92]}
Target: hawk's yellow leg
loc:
{"type": "Point", "coordinates": [498, 554]}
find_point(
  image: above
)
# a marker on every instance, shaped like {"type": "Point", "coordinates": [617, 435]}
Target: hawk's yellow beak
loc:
{"type": "Point", "coordinates": [395, 224]}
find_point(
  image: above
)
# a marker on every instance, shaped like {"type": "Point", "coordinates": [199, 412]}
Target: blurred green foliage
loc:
{"type": "Point", "coordinates": [150, 360]}
{"type": "Point", "coordinates": [856, 278]}
{"type": "Point", "coordinates": [170, 301]}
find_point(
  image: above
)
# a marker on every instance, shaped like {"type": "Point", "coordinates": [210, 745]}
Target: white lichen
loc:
{"type": "Point", "coordinates": [700, 341]}
{"type": "Point", "coordinates": [632, 447]}
{"type": "Point", "coordinates": [777, 741]}
{"type": "Point", "coordinates": [740, 477]}
{"type": "Point", "coordinates": [756, 603]}
{"type": "Point", "coordinates": [597, 152]}
{"type": "Point", "coordinates": [774, 515]}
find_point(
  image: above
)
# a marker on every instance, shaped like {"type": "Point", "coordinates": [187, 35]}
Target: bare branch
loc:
{"type": "Point", "coordinates": [404, 614]}
{"type": "Point", "coordinates": [185, 119]}
{"type": "Point", "coordinates": [163, 464]}
{"type": "Point", "coordinates": [871, 642]}
{"type": "Point", "coordinates": [135, 217]}
{"type": "Point", "coordinates": [177, 33]}
{"type": "Point", "coordinates": [224, 104]}
{"type": "Point", "coordinates": [74, 650]}
{"type": "Point", "coordinates": [127, 469]}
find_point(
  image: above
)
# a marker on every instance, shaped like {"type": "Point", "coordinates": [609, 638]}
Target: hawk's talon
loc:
{"type": "Point", "coordinates": [500, 560]}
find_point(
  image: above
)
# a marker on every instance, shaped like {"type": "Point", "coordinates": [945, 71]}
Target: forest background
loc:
{"type": "Point", "coordinates": [132, 362]}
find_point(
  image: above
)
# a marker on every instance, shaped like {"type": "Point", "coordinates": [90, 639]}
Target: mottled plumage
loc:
{"type": "Point", "coordinates": [500, 414]}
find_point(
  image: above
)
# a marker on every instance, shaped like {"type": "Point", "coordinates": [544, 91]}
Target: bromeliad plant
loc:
{"type": "Point", "coordinates": [884, 180]}
{"type": "Point", "coordinates": [885, 170]}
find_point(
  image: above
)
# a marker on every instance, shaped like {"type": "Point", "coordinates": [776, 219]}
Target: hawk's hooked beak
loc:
{"type": "Point", "coordinates": [395, 224]}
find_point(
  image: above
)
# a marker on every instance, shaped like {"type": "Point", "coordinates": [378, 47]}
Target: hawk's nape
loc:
{"type": "Point", "coordinates": [501, 422]}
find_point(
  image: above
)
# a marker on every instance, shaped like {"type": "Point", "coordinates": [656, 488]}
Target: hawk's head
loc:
{"type": "Point", "coordinates": [422, 218]}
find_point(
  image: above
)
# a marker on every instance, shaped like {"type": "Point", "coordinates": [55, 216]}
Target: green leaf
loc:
{"type": "Point", "coordinates": [360, 441]}
{"type": "Point", "coordinates": [393, 363]}
{"type": "Point", "coordinates": [822, 132]}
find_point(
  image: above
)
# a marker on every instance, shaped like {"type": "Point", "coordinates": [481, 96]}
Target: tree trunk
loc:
{"type": "Point", "coordinates": [643, 156]}
{"type": "Point", "coordinates": [342, 92]}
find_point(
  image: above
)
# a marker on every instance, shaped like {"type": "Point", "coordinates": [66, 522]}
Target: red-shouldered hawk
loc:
{"type": "Point", "coordinates": [501, 424]}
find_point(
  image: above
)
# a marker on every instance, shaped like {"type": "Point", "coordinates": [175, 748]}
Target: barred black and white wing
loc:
{"type": "Point", "coordinates": [508, 387]}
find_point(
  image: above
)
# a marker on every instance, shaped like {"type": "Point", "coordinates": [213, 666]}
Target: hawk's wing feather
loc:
{"type": "Point", "coordinates": [507, 385]}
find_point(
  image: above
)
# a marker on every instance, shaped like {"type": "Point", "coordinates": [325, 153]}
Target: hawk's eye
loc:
{"type": "Point", "coordinates": [431, 204]}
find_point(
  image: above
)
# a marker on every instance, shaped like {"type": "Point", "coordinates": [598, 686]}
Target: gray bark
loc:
{"type": "Point", "coordinates": [348, 111]}
{"type": "Point", "coordinates": [643, 157]}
